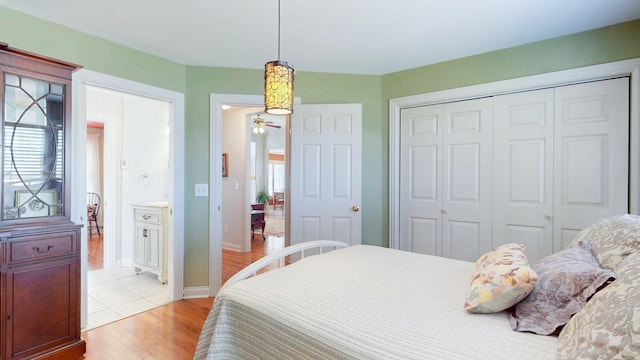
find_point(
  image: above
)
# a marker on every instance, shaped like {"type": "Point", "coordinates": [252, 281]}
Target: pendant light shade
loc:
{"type": "Point", "coordinates": [278, 83]}
{"type": "Point", "coordinates": [278, 88]}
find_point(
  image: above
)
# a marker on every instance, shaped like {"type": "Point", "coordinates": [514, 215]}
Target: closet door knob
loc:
{"type": "Point", "coordinates": [548, 217]}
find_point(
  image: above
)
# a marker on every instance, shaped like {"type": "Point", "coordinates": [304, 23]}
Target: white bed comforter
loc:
{"type": "Point", "coordinates": [362, 302]}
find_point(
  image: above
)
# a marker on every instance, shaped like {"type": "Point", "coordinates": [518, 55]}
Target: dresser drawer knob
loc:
{"type": "Point", "coordinates": [146, 217]}
{"type": "Point", "coordinates": [37, 249]}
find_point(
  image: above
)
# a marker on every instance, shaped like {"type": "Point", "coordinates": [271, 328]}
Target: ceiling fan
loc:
{"type": "Point", "coordinates": [259, 124]}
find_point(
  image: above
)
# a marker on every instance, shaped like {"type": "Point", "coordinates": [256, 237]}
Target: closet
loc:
{"type": "Point", "coordinates": [533, 167]}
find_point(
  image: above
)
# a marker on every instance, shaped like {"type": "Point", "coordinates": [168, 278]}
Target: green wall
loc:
{"type": "Point", "coordinates": [22, 31]}
{"type": "Point", "coordinates": [312, 88]}
{"type": "Point", "coordinates": [599, 46]}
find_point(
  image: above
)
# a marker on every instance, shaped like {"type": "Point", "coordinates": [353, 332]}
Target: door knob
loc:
{"type": "Point", "coordinates": [355, 208]}
{"type": "Point", "coordinates": [548, 217]}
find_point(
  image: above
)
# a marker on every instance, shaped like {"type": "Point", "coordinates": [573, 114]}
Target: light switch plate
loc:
{"type": "Point", "coordinates": [202, 189]}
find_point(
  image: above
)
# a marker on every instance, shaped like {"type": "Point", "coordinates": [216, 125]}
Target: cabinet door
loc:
{"type": "Point", "coordinates": [139, 246]}
{"type": "Point", "coordinates": [34, 131]}
{"type": "Point", "coordinates": [41, 307]}
{"type": "Point", "coordinates": [154, 247]}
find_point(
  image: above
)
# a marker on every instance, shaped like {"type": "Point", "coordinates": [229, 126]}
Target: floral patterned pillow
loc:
{"type": "Point", "coordinates": [608, 326]}
{"type": "Point", "coordinates": [566, 280]}
{"type": "Point", "coordinates": [612, 239]}
{"type": "Point", "coordinates": [501, 279]}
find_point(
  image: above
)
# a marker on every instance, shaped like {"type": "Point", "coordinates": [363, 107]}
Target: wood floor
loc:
{"type": "Point", "coordinates": [170, 331]}
{"type": "Point", "coordinates": [166, 332]}
{"type": "Point", "coordinates": [94, 249]}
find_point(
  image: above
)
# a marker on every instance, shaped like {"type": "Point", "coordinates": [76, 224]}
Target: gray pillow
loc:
{"type": "Point", "coordinates": [607, 326]}
{"type": "Point", "coordinates": [565, 281]}
{"type": "Point", "coordinates": [612, 239]}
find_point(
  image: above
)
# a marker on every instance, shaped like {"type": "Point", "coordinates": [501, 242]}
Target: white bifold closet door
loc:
{"type": "Point", "coordinates": [523, 172]}
{"type": "Point", "coordinates": [591, 162]}
{"type": "Point", "coordinates": [445, 185]}
{"type": "Point", "coordinates": [534, 167]}
{"type": "Point", "coordinates": [561, 162]}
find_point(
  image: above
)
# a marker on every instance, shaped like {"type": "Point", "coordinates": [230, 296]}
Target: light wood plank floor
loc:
{"type": "Point", "coordinates": [170, 331]}
{"type": "Point", "coordinates": [167, 332]}
{"type": "Point", "coordinates": [95, 247]}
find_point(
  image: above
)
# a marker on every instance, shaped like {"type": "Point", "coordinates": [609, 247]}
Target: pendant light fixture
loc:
{"type": "Point", "coordinates": [278, 83]}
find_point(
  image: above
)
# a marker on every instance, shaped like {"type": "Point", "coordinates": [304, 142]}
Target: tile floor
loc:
{"type": "Point", "coordinates": [115, 294]}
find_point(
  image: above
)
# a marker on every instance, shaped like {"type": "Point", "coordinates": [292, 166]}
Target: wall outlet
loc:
{"type": "Point", "coordinates": [202, 189]}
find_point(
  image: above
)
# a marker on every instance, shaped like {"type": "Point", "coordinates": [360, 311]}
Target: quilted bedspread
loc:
{"type": "Point", "coordinates": [362, 302]}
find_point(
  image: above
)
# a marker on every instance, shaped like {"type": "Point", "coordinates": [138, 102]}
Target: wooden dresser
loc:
{"type": "Point", "coordinates": [40, 269]}
{"type": "Point", "coordinates": [39, 245]}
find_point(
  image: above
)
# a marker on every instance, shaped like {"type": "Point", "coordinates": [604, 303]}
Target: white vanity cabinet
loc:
{"type": "Point", "coordinates": [150, 239]}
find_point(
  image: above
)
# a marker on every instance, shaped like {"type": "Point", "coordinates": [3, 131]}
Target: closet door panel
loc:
{"type": "Point", "coordinates": [421, 179]}
{"type": "Point", "coordinates": [523, 171]}
{"type": "Point", "coordinates": [576, 189]}
{"type": "Point", "coordinates": [592, 159]}
{"type": "Point", "coordinates": [467, 224]}
{"type": "Point", "coordinates": [464, 240]}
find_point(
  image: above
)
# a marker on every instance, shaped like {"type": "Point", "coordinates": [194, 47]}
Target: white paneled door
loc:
{"type": "Point", "coordinates": [523, 171]}
{"type": "Point", "coordinates": [421, 179]}
{"type": "Point", "coordinates": [591, 162]}
{"type": "Point", "coordinates": [445, 182]}
{"type": "Point", "coordinates": [326, 173]}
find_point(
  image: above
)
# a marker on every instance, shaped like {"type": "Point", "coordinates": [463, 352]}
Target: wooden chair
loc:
{"type": "Point", "coordinates": [93, 208]}
{"type": "Point", "coordinates": [278, 199]}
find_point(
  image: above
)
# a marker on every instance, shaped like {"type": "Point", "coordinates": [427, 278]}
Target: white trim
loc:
{"type": "Point", "coordinates": [84, 77]}
{"type": "Point", "coordinates": [196, 292]}
{"type": "Point", "coordinates": [591, 73]}
{"type": "Point", "coordinates": [215, 177]}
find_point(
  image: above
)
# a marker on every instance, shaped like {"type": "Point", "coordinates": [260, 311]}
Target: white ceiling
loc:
{"type": "Point", "coordinates": [342, 36]}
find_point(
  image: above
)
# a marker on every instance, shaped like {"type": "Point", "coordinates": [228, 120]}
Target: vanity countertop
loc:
{"type": "Point", "coordinates": [154, 204]}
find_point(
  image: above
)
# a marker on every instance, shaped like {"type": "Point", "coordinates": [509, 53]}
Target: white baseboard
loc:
{"type": "Point", "coordinates": [196, 292]}
{"type": "Point", "coordinates": [232, 247]}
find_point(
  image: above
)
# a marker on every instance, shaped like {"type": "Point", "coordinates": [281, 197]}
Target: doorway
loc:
{"type": "Point", "coordinates": [253, 147]}
{"type": "Point", "coordinates": [95, 194]}
{"type": "Point", "coordinates": [137, 141]}
{"type": "Point", "coordinates": [121, 191]}
{"type": "Point", "coordinates": [267, 174]}
{"type": "Point", "coordinates": [347, 121]}
{"type": "Point", "coordinates": [216, 178]}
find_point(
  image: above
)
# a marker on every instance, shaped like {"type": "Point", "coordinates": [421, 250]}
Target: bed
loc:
{"type": "Point", "coordinates": [368, 302]}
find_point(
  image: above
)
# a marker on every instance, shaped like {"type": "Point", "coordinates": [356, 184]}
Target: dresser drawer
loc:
{"type": "Point", "coordinates": [42, 247]}
{"type": "Point", "coordinates": [147, 216]}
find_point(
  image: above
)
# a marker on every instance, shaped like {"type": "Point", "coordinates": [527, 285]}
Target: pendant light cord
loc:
{"type": "Point", "coordinates": [278, 30]}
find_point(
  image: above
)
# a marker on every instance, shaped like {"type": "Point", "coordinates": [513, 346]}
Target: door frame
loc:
{"type": "Point", "coordinates": [215, 176]}
{"type": "Point", "coordinates": [81, 79]}
{"type": "Point", "coordinates": [566, 77]}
